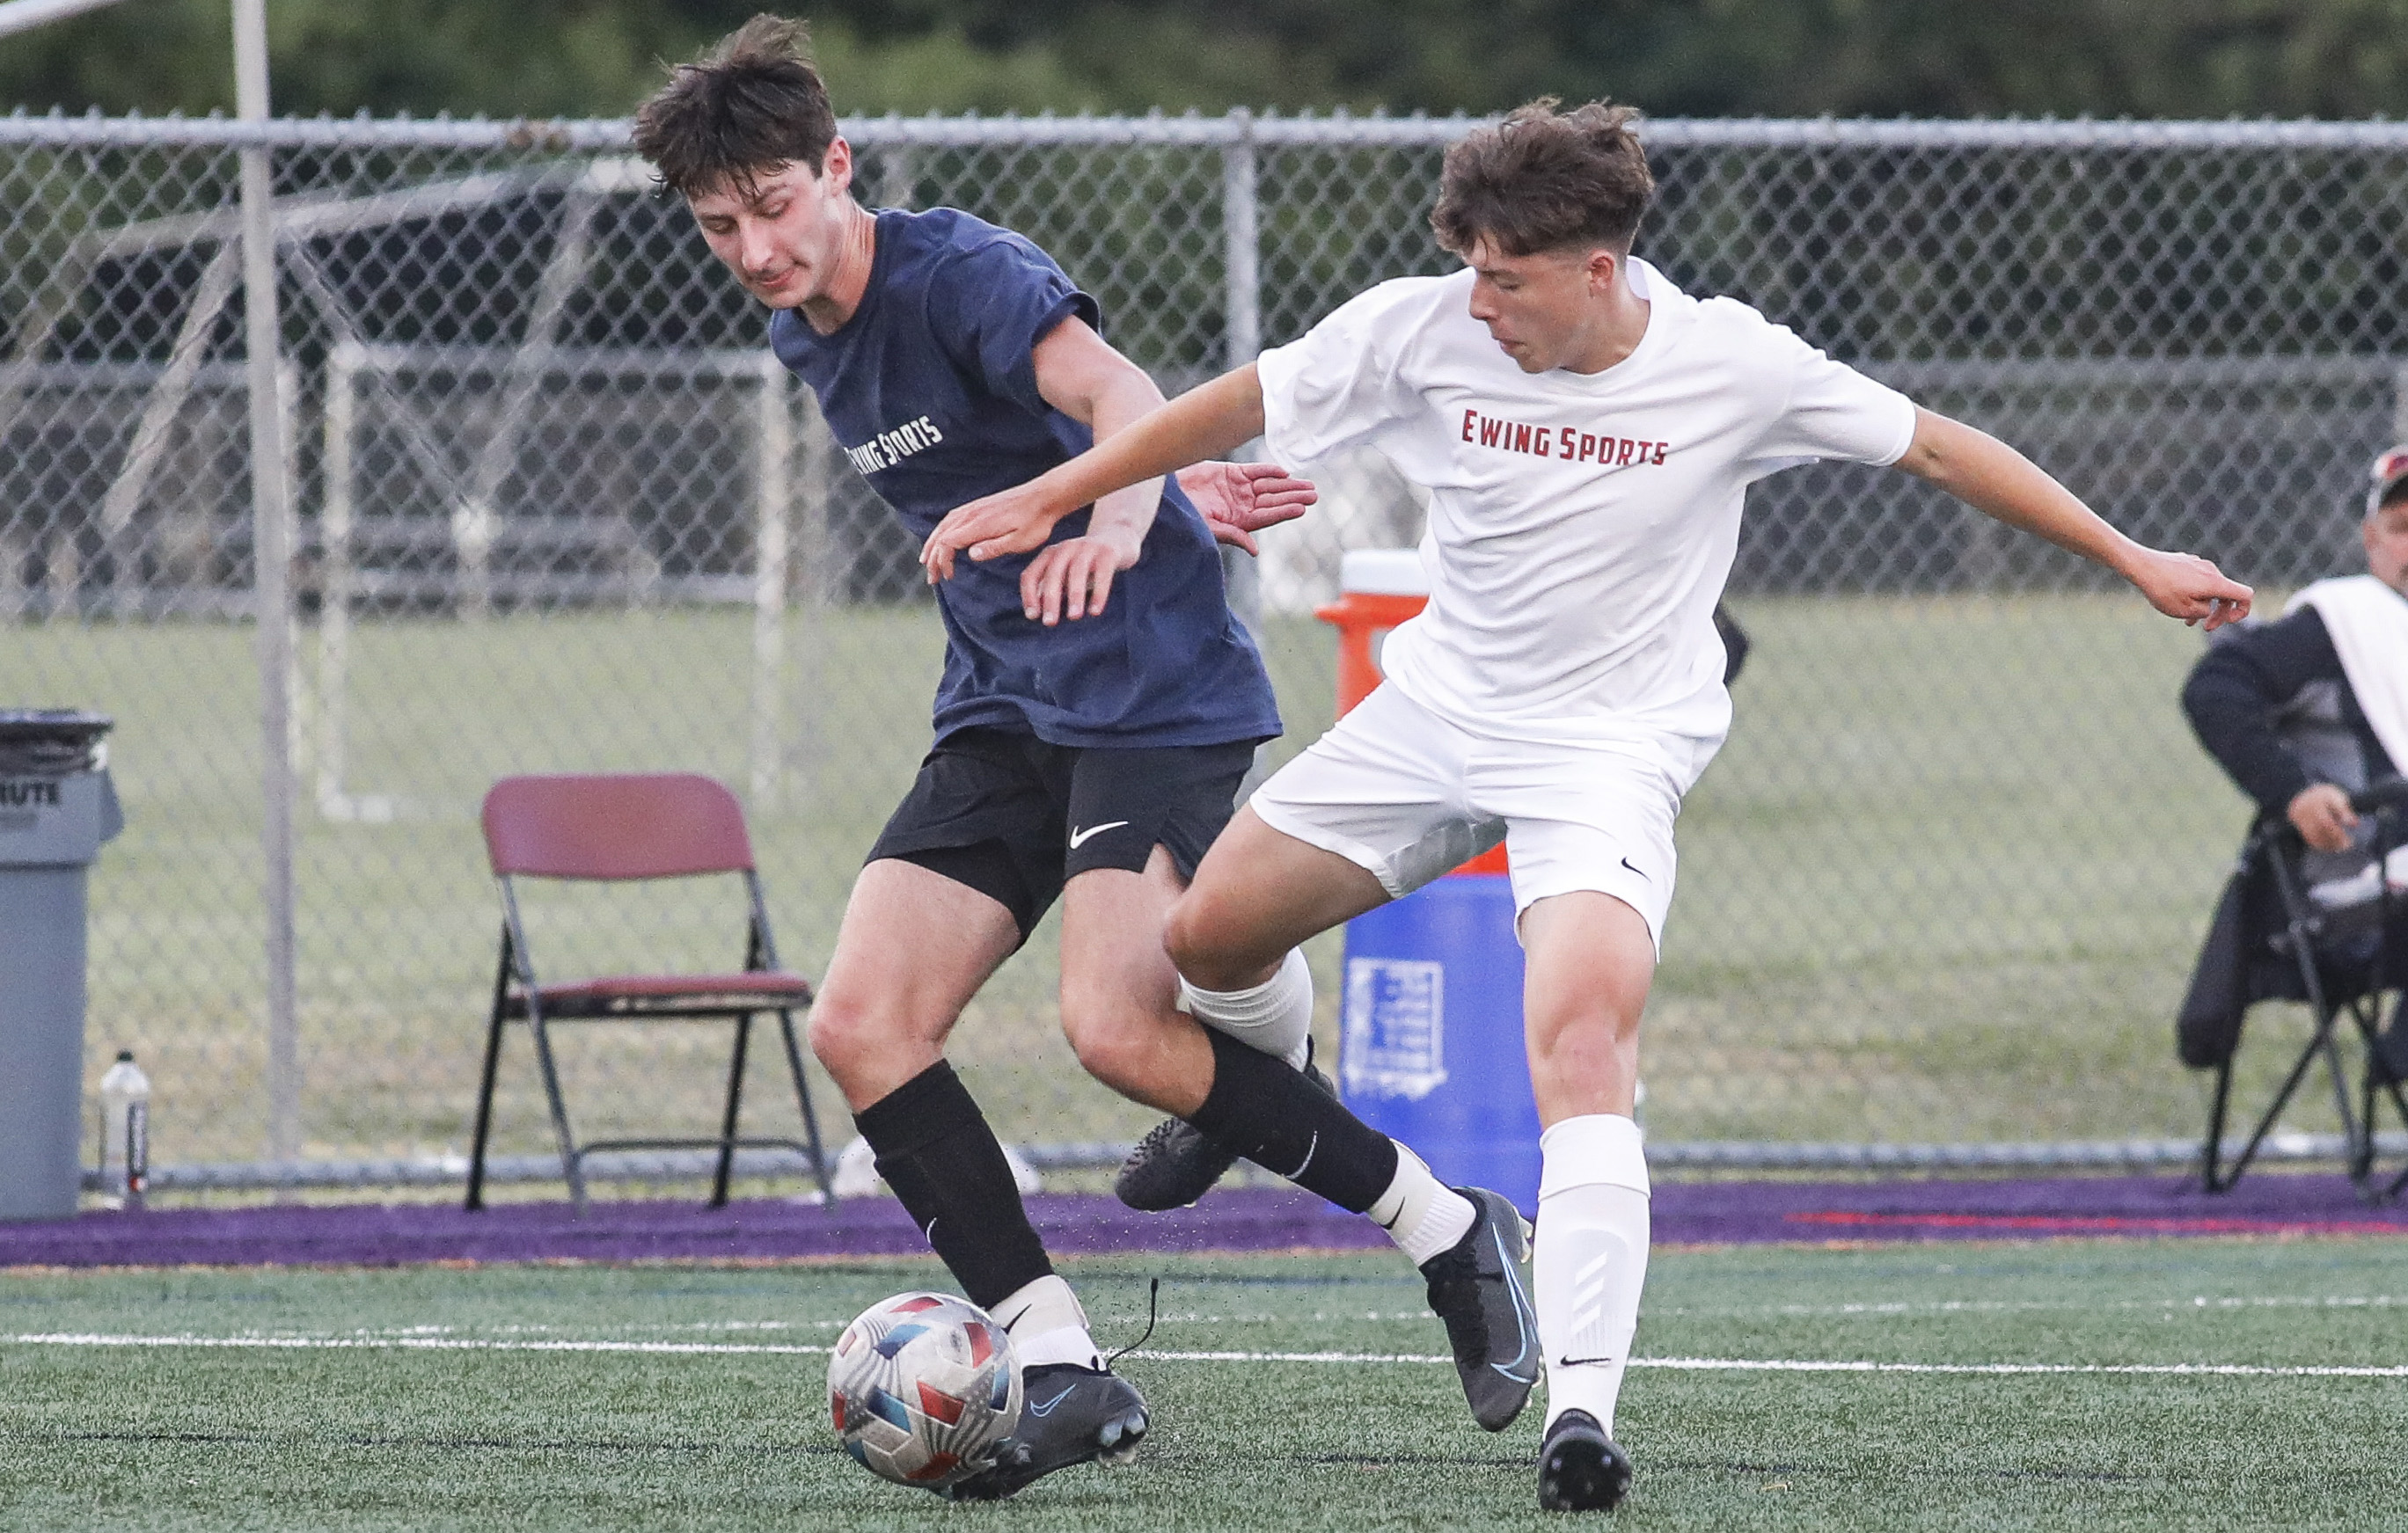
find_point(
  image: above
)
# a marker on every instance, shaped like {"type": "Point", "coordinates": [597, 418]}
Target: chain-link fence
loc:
{"type": "Point", "coordinates": [554, 509]}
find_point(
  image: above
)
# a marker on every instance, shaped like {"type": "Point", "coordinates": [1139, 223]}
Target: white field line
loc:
{"type": "Point", "coordinates": [1192, 1317]}
{"type": "Point", "coordinates": [2242, 1370]}
{"type": "Point", "coordinates": [403, 1343]}
{"type": "Point", "coordinates": [1689, 1365]}
{"type": "Point", "coordinates": [1968, 1306]}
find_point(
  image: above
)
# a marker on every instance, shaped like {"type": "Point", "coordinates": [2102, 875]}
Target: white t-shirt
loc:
{"type": "Point", "coordinates": [1580, 526]}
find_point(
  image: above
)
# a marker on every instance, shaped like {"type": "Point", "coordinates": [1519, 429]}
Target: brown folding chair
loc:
{"type": "Point", "coordinates": [625, 827]}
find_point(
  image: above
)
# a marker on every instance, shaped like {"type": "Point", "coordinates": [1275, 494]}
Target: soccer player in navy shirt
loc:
{"type": "Point", "coordinates": [1091, 760]}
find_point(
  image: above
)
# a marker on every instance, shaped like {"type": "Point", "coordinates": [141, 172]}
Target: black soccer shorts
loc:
{"type": "Point", "coordinates": [1015, 818]}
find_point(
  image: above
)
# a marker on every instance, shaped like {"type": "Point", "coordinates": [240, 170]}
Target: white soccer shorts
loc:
{"type": "Point", "coordinates": [1403, 793]}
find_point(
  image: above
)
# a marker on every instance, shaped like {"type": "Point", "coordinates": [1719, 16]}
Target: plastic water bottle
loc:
{"type": "Point", "coordinates": [124, 1132]}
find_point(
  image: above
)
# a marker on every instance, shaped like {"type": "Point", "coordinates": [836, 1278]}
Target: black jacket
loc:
{"type": "Point", "coordinates": [2273, 706]}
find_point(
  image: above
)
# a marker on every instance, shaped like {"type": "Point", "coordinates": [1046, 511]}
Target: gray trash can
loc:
{"type": "Point", "coordinates": [56, 807]}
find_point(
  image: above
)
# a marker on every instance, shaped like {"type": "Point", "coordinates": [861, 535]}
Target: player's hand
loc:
{"type": "Point", "coordinates": [1072, 577]}
{"type": "Point", "coordinates": [1240, 499]}
{"type": "Point", "coordinates": [1011, 521]}
{"type": "Point", "coordinates": [2185, 586]}
{"type": "Point", "coordinates": [2322, 815]}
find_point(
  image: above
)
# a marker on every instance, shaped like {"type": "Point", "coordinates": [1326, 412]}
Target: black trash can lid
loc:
{"type": "Point", "coordinates": [49, 741]}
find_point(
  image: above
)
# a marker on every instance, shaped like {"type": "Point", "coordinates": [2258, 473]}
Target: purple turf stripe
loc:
{"type": "Point", "coordinates": [1238, 1220]}
{"type": "Point", "coordinates": [390, 1234]}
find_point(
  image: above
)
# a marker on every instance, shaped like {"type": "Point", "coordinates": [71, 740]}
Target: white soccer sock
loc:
{"type": "Point", "coordinates": [1421, 1214]}
{"type": "Point", "coordinates": [1591, 1259]}
{"type": "Point", "coordinates": [1275, 1016]}
{"type": "Point", "coordinates": [1047, 1324]}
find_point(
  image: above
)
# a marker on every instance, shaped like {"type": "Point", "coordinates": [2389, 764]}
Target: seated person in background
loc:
{"type": "Point", "coordinates": [2306, 710]}
{"type": "Point", "coordinates": [2331, 677]}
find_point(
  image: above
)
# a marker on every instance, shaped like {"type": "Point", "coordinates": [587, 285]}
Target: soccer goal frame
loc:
{"type": "Point", "coordinates": [475, 525]}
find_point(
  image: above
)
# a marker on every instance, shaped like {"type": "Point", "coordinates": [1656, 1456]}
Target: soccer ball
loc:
{"type": "Point", "coordinates": [923, 1389]}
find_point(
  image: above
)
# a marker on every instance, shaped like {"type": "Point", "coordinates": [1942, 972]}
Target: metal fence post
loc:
{"type": "Point", "coordinates": [1241, 237]}
{"type": "Point", "coordinates": [271, 510]}
{"type": "Point", "coordinates": [817, 583]}
{"type": "Point", "coordinates": [772, 556]}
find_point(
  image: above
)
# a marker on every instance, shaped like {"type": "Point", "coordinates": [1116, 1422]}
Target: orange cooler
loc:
{"type": "Point", "coordinates": [1381, 588]}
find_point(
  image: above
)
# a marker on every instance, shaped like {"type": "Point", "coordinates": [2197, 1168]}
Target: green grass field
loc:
{"type": "Point", "coordinates": [2053, 1386]}
{"type": "Point", "coordinates": [1944, 881]}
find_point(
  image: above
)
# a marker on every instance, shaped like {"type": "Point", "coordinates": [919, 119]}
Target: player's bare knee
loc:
{"type": "Point", "coordinates": [1200, 941]}
{"type": "Point", "coordinates": [1110, 1058]}
{"type": "Point", "coordinates": [843, 1033]}
{"type": "Point", "coordinates": [1590, 1042]}
{"type": "Point", "coordinates": [1109, 1039]}
{"type": "Point", "coordinates": [1179, 934]}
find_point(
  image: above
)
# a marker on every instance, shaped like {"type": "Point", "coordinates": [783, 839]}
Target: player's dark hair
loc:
{"type": "Point", "coordinates": [749, 107]}
{"type": "Point", "coordinates": [1544, 179]}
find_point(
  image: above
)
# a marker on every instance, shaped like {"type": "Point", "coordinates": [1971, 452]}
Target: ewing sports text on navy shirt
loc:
{"type": "Point", "coordinates": [931, 390]}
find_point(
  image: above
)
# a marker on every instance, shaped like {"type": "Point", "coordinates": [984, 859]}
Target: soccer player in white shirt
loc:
{"type": "Point", "coordinates": [1587, 433]}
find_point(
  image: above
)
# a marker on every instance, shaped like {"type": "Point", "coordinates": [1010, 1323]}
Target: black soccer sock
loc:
{"type": "Point", "coordinates": [1270, 1113]}
{"type": "Point", "coordinates": [935, 1149]}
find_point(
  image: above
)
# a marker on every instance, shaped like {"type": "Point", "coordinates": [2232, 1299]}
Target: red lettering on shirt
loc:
{"type": "Point", "coordinates": [1566, 444]}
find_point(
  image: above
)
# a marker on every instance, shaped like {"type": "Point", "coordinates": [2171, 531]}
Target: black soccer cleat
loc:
{"type": "Point", "coordinates": [1476, 1288]}
{"type": "Point", "coordinates": [1069, 1415]}
{"type": "Point", "coordinates": [1580, 1468]}
{"type": "Point", "coordinates": [1177, 1163]}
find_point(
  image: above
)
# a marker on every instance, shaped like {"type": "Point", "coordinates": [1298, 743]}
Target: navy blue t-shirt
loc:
{"type": "Point", "coordinates": [931, 389]}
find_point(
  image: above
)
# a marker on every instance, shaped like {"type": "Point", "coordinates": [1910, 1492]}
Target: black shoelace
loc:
{"type": "Point", "coordinates": [1153, 1311]}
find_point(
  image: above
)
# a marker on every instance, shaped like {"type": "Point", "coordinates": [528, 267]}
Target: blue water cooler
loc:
{"type": "Point", "coordinates": [1430, 1033]}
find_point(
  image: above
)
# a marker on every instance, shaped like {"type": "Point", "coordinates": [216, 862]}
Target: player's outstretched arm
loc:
{"type": "Point", "coordinates": [1996, 480]}
{"type": "Point", "coordinates": [1204, 422]}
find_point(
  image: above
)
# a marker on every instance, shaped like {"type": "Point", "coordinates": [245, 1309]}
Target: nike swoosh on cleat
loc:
{"type": "Point", "coordinates": [1047, 1409]}
{"type": "Point", "coordinates": [1523, 1323]}
{"type": "Point", "coordinates": [1080, 838]}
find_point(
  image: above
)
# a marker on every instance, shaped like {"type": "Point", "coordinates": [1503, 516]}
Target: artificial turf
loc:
{"type": "Point", "coordinates": [461, 1397]}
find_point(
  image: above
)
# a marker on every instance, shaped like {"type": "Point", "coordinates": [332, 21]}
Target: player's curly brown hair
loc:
{"type": "Point", "coordinates": [1545, 179]}
{"type": "Point", "coordinates": [751, 105]}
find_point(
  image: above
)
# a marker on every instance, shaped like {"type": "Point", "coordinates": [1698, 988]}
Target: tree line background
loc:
{"type": "Point", "coordinates": [2141, 58]}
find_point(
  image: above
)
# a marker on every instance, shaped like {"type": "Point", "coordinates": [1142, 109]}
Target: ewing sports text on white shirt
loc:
{"type": "Point", "coordinates": [1580, 526]}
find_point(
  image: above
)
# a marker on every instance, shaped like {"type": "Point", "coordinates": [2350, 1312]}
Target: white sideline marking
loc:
{"type": "Point", "coordinates": [397, 1343]}
{"type": "Point", "coordinates": [1297, 1357]}
{"type": "Point", "coordinates": [2248, 1370]}
{"type": "Point", "coordinates": [1689, 1365]}
{"type": "Point", "coordinates": [1981, 1306]}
